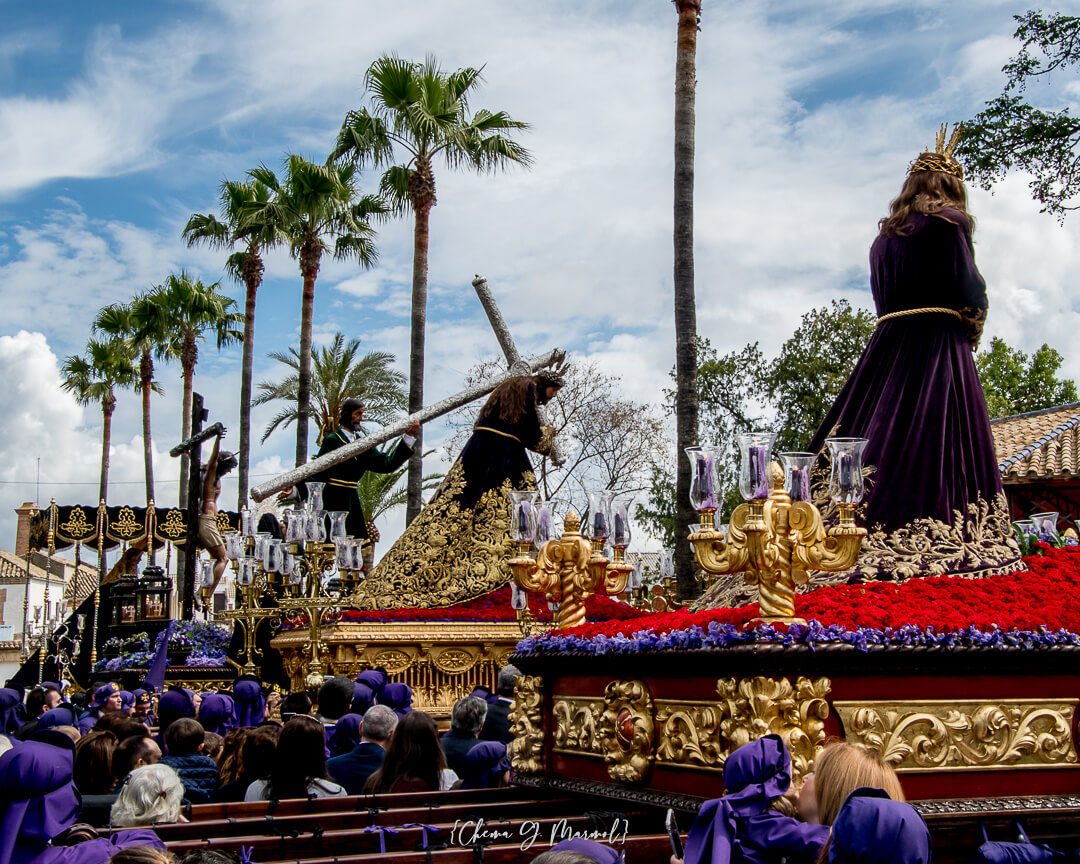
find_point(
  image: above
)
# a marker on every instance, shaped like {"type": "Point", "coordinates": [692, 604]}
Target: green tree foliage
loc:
{"type": "Point", "coordinates": [804, 381]}
{"type": "Point", "coordinates": [1015, 383]}
{"type": "Point", "coordinates": [380, 493]}
{"type": "Point", "coordinates": [337, 374]}
{"type": "Point", "coordinates": [1011, 133]}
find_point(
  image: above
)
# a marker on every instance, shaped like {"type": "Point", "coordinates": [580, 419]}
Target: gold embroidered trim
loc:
{"type": "Point", "coordinates": [447, 555]}
{"type": "Point", "coordinates": [497, 432]}
{"type": "Point", "coordinates": [343, 484]}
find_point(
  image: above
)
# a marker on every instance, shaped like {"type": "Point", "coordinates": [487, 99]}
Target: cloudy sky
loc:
{"type": "Point", "coordinates": [117, 121]}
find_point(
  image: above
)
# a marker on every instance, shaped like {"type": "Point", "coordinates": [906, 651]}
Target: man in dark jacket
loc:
{"type": "Point", "coordinates": [184, 741]}
{"type": "Point", "coordinates": [353, 769]}
{"type": "Point", "coordinates": [466, 721]}
{"type": "Point", "coordinates": [340, 491]}
{"type": "Point", "coordinates": [497, 723]}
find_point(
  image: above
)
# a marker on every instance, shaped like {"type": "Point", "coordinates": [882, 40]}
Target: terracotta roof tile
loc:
{"type": "Point", "coordinates": [1040, 445]}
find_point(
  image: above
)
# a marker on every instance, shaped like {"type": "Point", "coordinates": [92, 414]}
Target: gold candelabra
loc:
{"type": "Point", "coordinates": [776, 541]}
{"type": "Point", "coordinates": [568, 569]}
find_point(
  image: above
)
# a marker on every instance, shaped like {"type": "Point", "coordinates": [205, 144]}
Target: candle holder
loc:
{"type": "Point", "coordinates": [703, 482]}
{"type": "Point", "coordinates": [568, 569]}
{"type": "Point", "coordinates": [776, 541]}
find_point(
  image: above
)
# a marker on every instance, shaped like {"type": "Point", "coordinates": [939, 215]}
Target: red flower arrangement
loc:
{"type": "Point", "coordinates": [1046, 595]}
{"type": "Point", "coordinates": [495, 606]}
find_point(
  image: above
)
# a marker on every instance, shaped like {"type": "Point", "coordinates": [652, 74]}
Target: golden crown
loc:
{"type": "Point", "coordinates": [941, 158]}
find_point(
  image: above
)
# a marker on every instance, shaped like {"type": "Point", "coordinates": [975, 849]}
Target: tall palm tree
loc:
{"type": "Point", "coordinates": [417, 114]}
{"type": "Point", "coordinates": [310, 206]}
{"type": "Point", "coordinates": [193, 310]}
{"type": "Point", "coordinates": [337, 374]}
{"type": "Point", "coordinates": [686, 360]}
{"type": "Point", "coordinates": [95, 377]}
{"type": "Point", "coordinates": [143, 323]}
{"type": "Point", "coordinates": [245, 265]}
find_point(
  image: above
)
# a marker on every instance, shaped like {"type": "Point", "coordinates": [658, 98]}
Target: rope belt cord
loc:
{"type": "Point", "coordinates": [497, 432]}
{"type": "Point", "coordinates": [344, 484]}
{"type": "Point", "coordinates": [926, 310]}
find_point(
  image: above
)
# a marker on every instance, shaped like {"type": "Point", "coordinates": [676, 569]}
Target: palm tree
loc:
{"type": "Point", "coordinates": [337, 375]}
{"type": "Point", "coordinates": [244, 265]}
{"type": "Point", "coordinates": [193, 310]}
{"type": "Point", "coordinates": [94, 377]}
{"type": "Point", "coordinates": [143, 324]}
{"type": "Point", "coordinates": [686, 391]}
{"type": "Point", "coordinates": [311, 205]}
{"type": "Point", "coordinates": [417, 114]}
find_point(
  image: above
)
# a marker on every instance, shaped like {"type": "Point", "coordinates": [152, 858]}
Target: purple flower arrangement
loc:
{"type": "Point", "coordinates": [206, 643]}
{"type": "Point", "coordinates": [812, 634]}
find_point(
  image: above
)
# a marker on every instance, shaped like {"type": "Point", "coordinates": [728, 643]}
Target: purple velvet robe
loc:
{"type": "Point", "coordinates": [915, 396]}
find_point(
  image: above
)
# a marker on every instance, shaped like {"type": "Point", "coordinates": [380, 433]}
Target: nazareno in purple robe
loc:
{"type": "Point", "coordinates": [38, 801]}
{"type": "Point", "coordinates": [934, 501]}
{"type": "Point", "coordinates": [871, 828]}
{"type": "Point", "coordinates": [740, 828]}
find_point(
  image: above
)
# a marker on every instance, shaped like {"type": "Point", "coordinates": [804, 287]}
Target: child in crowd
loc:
{"type": "Point", "coordinates": [185, 741]}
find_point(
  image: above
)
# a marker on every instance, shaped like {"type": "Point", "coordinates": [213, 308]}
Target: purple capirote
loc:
{"type": "Point", "coordinates": [871, 828]}
{"type": "Point", "coordinates": [38, 801]}
{"type": "Point", "coordinates": [740, 827]}
{"type": "Point", "coordinates": [250, 703]}
{"type": "Point", "coordinates": [398, 698]}
{"type": "Point", "coordinates": [217, 713]}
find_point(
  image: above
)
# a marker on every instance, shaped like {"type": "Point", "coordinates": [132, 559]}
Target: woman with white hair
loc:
{"type": "Point", "coordinates": [152, 794]}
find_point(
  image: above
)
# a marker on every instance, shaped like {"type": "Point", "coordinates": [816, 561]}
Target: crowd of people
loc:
{"type": "Point", "coordinates": [129, 761]}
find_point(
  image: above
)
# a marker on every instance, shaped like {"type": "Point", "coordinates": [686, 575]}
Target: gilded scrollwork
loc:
{"type": "Point", "coordinates": [448, 555]}
{"type": "Point", "coordinates": [965, 734]}
{"type": "Point", "coordinates": [688, 735]}
{"type": "Point", "coordinates": [753, 707]}
{"type": "Point", "coordinates": [576, 722]}
{"type": "Point", "coordinates": [173, 527]}
{"type": "Point", "coordinates": [526, 723]}
{"type": "Point", "coordinates": [626, 731]}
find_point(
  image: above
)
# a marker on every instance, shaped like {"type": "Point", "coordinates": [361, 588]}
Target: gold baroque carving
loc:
{"type": "Point", "coordinates": [688, 735]}
{"type": "Point", "coordinates": [526, 722]}
{"type": "Point", "coordinates": [626, 731]}
{"type": "Point", "coordinates": [576, 722]}
{"type": "Point", "coordinates": [393, 661]}
{"type": "Point", "coordinates": [453, 661]}
{"type": "Point", "coordinates": [966, 733]}
{"type": "Point", "coordinates": [753, 707]}
{"type": "Point", "coordinates": [448, 554]}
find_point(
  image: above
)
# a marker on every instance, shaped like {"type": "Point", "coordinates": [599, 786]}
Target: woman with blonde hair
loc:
{"type": "Point", "coordinates": [152, 794]}
{"type": "Point", "coordinates": [839, 770]}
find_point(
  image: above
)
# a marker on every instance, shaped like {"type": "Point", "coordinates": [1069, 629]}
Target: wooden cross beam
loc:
{"type": "Point", "coordinates": [509, 349]}
{"type": "Point", "coordinates": [360, 445]}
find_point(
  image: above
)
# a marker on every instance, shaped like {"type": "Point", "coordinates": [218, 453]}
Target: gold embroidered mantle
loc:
{"type": "Point", "coordinates": [447, 555]}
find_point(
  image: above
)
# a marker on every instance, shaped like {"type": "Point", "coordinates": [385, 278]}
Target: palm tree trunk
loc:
{"type": "Point", "coordinates": [303, 384]}
{"type": "Point", "coordinates": [188, 358]}
{"type": "Point", "coordinates": [108, 405]}
{"type": "Point", "coordinates": [415, 483]}
{"type": "Point", "coordinates": [686, 391]}
{"type": "Point", "coordinates": [146, 372]}
{"type": "Point", "coordinates": [245, 392]}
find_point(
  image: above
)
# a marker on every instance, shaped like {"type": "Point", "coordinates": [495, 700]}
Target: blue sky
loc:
{"type": "Point", "coordinates": [117, 121]}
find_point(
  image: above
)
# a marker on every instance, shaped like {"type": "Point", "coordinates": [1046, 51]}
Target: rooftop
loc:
{"type": "Point", "coordinates": [1039, 445]}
